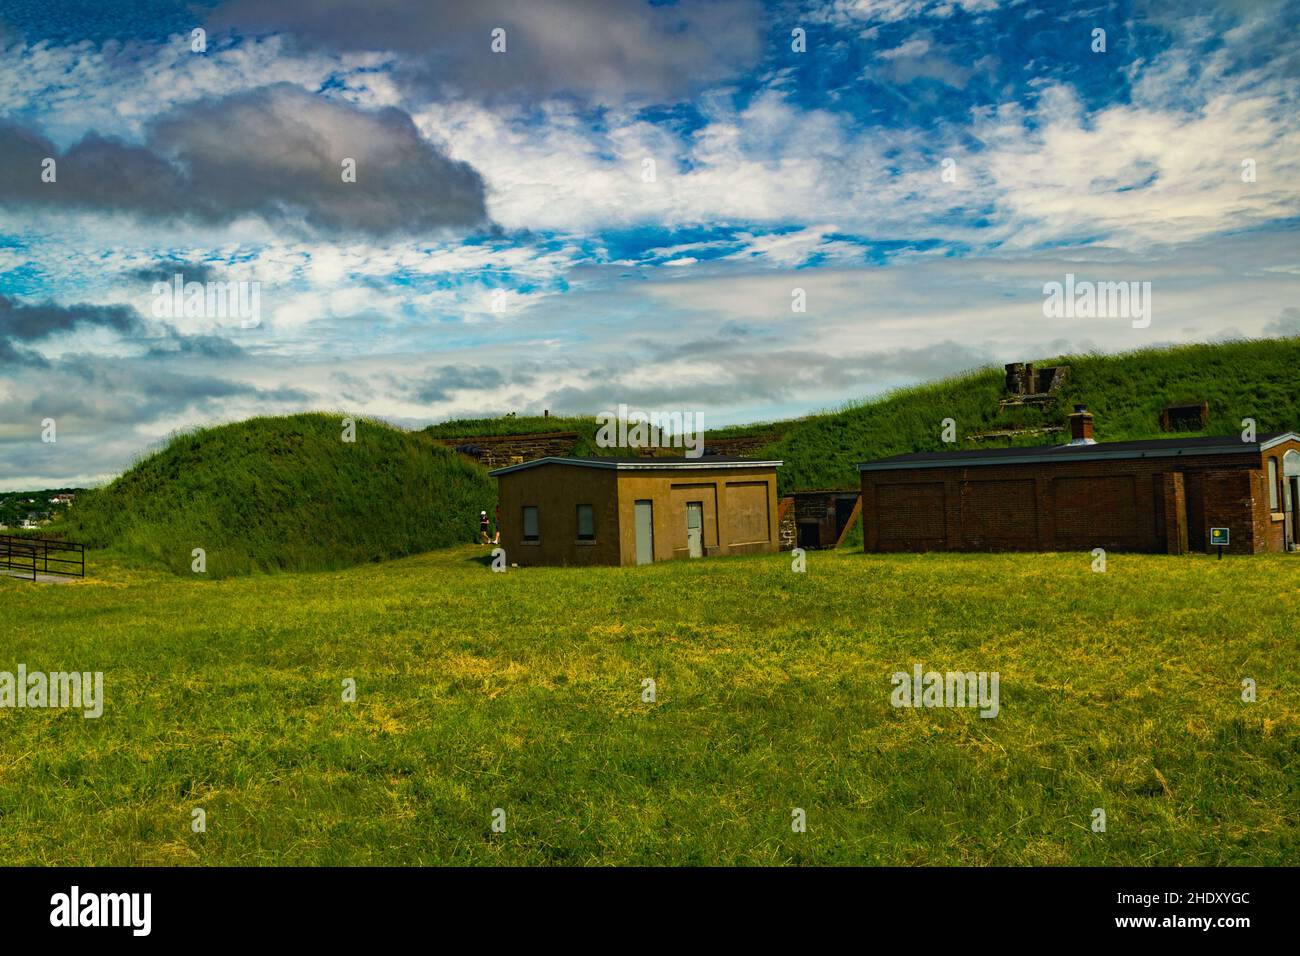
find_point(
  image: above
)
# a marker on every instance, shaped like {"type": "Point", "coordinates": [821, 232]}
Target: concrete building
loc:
{"type": "Point", "coordinates": [1157, 496]}
{"type": "Point", "coordinates": [635, 510]}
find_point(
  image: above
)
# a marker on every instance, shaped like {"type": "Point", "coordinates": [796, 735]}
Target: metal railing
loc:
{"type": "Point", "coordinates": [42, 556]}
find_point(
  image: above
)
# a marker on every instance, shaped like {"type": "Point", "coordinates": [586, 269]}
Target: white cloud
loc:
{"type": "Point", "coordinates": [115, 90]}
{"type": "Point", "coordinates": [851, 12]}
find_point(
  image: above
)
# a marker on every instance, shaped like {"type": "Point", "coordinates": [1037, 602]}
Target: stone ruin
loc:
{"type": "Point", "coordinates": [739, 446]}
{"type": "Point", "coordinates": [1180, 418]}
{"type": "Point", "coordinates": [817, 519]}
{"type": "Point", "coordinates": [1028, 385]}
{"type": "Point", "coordinates": [498, 451]}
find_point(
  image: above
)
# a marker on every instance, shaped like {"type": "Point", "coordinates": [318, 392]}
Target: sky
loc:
{"type": "Point", "coordinates": [740, 209]}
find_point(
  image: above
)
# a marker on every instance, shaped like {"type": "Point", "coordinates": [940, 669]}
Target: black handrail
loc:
{"type": "Point", "coordinates": [18, 553]}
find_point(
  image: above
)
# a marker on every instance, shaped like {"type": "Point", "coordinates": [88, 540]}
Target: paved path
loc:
{"type": "Point", "coordinates": [40, 578]}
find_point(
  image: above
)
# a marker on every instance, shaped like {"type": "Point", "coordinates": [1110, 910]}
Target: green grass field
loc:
{"type": "Point", "coordinates": [523, 691]}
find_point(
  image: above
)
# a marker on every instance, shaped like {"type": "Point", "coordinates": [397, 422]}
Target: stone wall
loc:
{"type": "Point", "coordinates": [498, 451]}
{"type": "Point", "coordinates": [740, 446]}
{"type": "Point", "coordinates": [788, 530]}
{"type": "Point", "coordinates": [1185, 417]}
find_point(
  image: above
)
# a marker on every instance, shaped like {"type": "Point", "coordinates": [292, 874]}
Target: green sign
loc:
{"type": "Point", "coordinates": [1219, 537]}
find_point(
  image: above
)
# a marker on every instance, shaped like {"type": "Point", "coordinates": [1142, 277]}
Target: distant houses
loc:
{"type": "Point", "coordinates": [27, 512]}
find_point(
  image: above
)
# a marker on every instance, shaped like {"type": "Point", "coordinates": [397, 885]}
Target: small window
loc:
{"type": "Point", "coordinates": [586, 523]}
{"type": "Point", "coordinates": [1272, 484]}
{"type": "Point", "coordinates": [530, 524]}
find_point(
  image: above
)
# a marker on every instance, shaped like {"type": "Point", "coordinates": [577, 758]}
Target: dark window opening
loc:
{"type": "Point", "coordinates": [586, 523]}
{"type": "Point", "coordinates": [530, 524]}
{"type": "Point", "coordinates": [843, 511]}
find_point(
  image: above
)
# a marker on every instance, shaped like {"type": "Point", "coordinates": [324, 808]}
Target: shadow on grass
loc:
{"type": "Point", "coordinates": [485, 559]}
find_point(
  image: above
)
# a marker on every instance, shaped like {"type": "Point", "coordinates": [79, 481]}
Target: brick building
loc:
{"type": "Point", "coordinates": [817, 519]}
{"type": "Point", "coordinates": [635, 510]}
{"type": "Point", "coordinates": [1157, 496]}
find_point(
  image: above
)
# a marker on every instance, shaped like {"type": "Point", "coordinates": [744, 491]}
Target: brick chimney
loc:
{"type": "Point", "coordinates": [1081, 426]}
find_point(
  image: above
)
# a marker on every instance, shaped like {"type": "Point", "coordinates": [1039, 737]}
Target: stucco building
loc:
{"type": "Point", "coordinates": [635, 510]}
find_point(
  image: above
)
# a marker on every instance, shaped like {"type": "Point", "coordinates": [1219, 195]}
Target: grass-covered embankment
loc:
{"type": "Point", "coordinates": [1245, 379]}
{"type": "Point", "coordinates": [285, 493]}
{"type": "Point", "coordinates": [1253, 379]}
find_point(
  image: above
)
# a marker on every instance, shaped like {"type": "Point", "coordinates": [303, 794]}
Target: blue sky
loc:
{"type": "Point", "coordinates": [503, 249]}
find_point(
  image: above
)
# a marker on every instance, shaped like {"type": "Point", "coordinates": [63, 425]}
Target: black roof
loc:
{"type": "Point", "coordinates": [1146, 448]}
{"type": "Point", "coordinates": [643, 463]}
{"type": "Point", "coordinates": [661, 459]}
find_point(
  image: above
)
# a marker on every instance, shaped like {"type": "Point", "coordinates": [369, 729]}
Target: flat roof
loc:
{"type": "Point", "coordinates": [1100, 451]}
{"type": "Point", "coordinates": [645, 464]}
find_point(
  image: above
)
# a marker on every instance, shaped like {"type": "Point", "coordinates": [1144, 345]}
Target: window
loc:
{"type": "Point", "coordinates": [1272, 484]}
{"type": "Point", "coordinates": [586, 523]}
{"type": "Point", "coordinates": [530, 524]}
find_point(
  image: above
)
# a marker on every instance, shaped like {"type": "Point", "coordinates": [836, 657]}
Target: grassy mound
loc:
{"type": "Point", "coordinates": [286, 493]}
{"type": "Point", "coordinates": [513, 425]}
{"type": "Point", "coordinates": [1244, 379]}
{"type": "Point", "coordinates": [1250, 379]}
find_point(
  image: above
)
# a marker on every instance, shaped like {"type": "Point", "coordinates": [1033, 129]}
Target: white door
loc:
{"type": "Point", "coordinates": [695, 528]}
{"type": "Point", "coordinates": [645, 532]}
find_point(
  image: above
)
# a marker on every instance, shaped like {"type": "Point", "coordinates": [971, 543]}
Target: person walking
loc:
{"type": "Point", "coordinates": [483, 528]}
{"type": "Point", "coordinates": [496, 539]}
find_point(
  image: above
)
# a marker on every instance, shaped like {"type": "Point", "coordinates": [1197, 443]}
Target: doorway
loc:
{"type": "Point", "coordinates": [1293, 512]}
{"type": "Point", "coordinates": [645, 532]}
{"type": "Point", "coordinates": [1291, 492]}
{"type": "Point", "coordinates": [843, 512]}
{"type": "Point", "coordinates": [695, 528]}
{"type": "Point", "coordinates": [810, 534]}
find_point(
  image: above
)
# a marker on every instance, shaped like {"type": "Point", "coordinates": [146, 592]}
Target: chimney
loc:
{"type": "Point", "coordinates": [1081, 426]}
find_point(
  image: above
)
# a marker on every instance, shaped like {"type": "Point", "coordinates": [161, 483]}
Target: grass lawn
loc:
{"type": "Point", "coordinates": [523, 691]}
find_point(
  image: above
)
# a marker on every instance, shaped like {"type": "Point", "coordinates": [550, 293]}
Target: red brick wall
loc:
{"type": "Point", "coordinates": [1229, 503]}
{"type": "Point", "coordinates": [1144, 504]}
{"type": "Point", "coordinates": [1087, 509]}
{"type": "Point", "coordinates": [998, 513]}
{"type": "Point", "coordinates": [916, 514]}
{"type": "Point", "coordinates": [1272, 532]}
